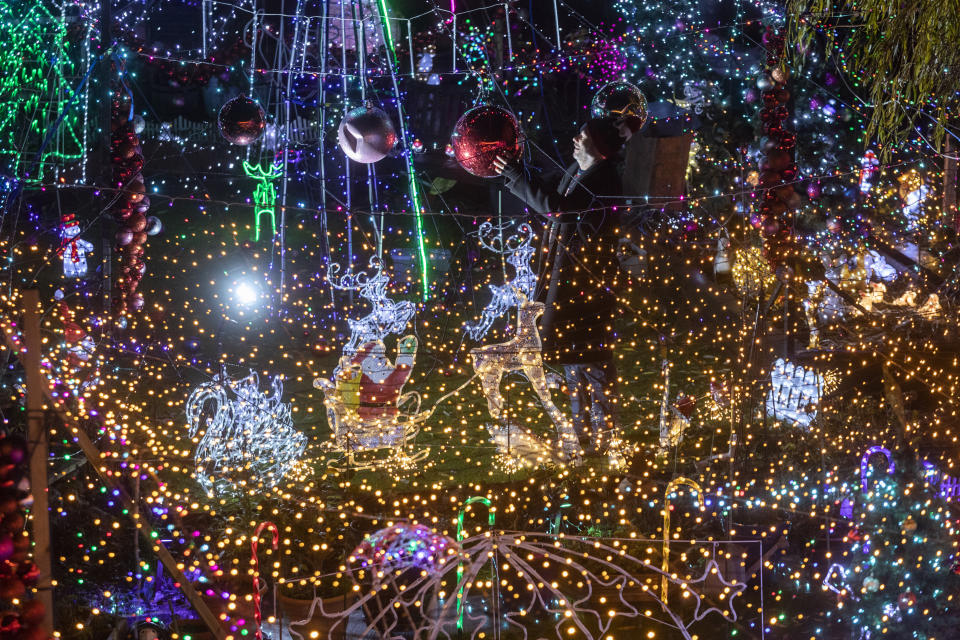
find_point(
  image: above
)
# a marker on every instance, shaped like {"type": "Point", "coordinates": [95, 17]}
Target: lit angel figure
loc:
{"type": "Point", "coordinates": [913, 192]}
{"type": "Point", "coordinates": [73, 249]}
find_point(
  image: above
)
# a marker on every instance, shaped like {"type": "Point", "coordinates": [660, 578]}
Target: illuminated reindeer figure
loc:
{"type": "Point", "coordinates": [511, 293]}
{"type": "Point", "coordinates": [366, 406]}
{"type": "Point", "coordinates": [386, 317]}
{"type": "Point", "coordinates": [520, 354]}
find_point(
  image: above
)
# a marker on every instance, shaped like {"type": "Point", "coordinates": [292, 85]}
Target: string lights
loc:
{"type": "Point", "coordinates": [399, 394]}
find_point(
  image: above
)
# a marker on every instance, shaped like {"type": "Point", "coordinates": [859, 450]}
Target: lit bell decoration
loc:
{"type": "Point", "coordinates": [619, 100]}
{"type": "Point", "coordinates": [366, 134]}
{"type": "Point", "coordinates": [241, 120]}
{"type": "Point", "coordinates": [482, 134]}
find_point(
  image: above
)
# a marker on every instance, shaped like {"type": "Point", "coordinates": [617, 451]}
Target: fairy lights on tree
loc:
{"type": "Point", "coordinates": [42, 66]}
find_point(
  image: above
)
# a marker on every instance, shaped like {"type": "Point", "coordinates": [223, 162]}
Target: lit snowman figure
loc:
{"type": "Point", "coordinates": [73, 249]}
{"type": "Point", "coordinates": [869, 167]}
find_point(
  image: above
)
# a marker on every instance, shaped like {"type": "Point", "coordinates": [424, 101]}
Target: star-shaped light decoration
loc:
{"type": "Point", "coordinates": [727, 591]}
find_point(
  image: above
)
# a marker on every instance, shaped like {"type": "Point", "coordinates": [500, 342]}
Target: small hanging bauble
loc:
{"type": "Point", "coordinates": [909, 525]}
{"type": "Point", "coordinates": [619, 100]}
{"type": "Point", "coordinates": [366, 135]}
{"type": "Point", "coordinates": [764, 82]}
{"type": "Point", "coordinates": [136, 222]}
{"type": "Point", "coordinates": [871, 584]}
{"type": "Point", "coordinates": [241, 120]}
{"type": "Point", "coordinates": [780, 75]}
{"type": "Point", "coordinates": [154, 225]}
{"type": "Point", "coordinates": [907, 600]}
{"type": "Point", "coordinates": [482, 134]}
{"type": "Point", "coordinates": [138, 124]}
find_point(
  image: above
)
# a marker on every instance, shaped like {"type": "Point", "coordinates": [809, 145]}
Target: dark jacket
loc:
{"type": "Point", "coordinates": [578, 266]}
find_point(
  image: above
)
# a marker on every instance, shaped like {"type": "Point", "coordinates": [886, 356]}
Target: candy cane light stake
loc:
{"type": "Point", "coordinates": [256, 569]}
{"type": "Point", "coordinates": [672, 486]}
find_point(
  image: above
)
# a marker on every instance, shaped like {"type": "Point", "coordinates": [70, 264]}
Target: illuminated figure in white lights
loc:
{"type": "Point", "coordinates": [366, 406]}
{"type": "Point", "coordinates": [521, 354]}
{"type": "Point", "coordinates": [245, 436]}
{"type": "Point", "coordinates": [73, 249]}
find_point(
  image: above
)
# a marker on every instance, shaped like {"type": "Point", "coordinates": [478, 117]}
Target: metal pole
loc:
{"type": "Point", "coordinates": [286, 145]}
{"type": "Point", "coordinates": [37, 436]}
{"type": "Point", "coordinates": [324, 39]}
{"type": "Point", "coordinates": [361, 36]}
{"type": "Point", "coordinates": [203, 45]}
{"type": "Point", "coordinates": [346, 108]}
{"type": "Point", "coordinates": [506, 14]}
{"type": "Point", "coordinates": [556, 21]}
{"type": "Point", "coordinates": [453, 39]}
{"type": "Point", "coordinates": [387, 36]}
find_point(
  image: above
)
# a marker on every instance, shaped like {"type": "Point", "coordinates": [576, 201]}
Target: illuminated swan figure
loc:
{"type": "Point", "coordinates": [246, 434]}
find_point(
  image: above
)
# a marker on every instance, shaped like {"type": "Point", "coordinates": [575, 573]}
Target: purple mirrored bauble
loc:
{"type": "Point", "coordinates": [367, 135]}
{"type": "Point", "coordinates": [241, 120]}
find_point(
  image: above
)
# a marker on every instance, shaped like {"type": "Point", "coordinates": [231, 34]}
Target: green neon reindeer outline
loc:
{"type": "Point", "coordinates": [265, 194]}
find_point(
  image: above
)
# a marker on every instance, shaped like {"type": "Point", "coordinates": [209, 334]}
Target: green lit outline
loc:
{"type": "Point", "coordinates": [411, 177]}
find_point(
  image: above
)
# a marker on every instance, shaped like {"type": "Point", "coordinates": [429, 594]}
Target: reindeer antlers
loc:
{"type": "Point", "coordinates": [491, 237]}
{"type": "Point", "coordinates": [359, 281]}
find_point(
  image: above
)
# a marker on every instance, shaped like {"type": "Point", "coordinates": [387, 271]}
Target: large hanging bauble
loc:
{"type": "Point", "coordinates": [482, 134]}
{"type": "Point", "coordinates": [366, 135]}
{"type": "Point", "coordinates": [241, 120]}
{"type": "Point", "coordinates": [619, 100]}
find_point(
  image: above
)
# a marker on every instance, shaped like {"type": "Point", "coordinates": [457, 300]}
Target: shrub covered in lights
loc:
{"type": "Point", "coordinates": [896, 577]}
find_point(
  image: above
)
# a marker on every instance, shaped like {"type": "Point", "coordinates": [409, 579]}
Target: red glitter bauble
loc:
{"type": "Point", "coordinates": [482, 134]}
{"type": "Point", "coordinates": [241, 120]}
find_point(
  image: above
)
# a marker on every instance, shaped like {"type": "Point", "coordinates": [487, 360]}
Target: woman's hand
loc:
{"type": "Point", "coordinates": [500, 163]}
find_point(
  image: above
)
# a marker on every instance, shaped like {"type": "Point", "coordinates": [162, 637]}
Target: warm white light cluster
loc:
{"type": "Point", "coordinates": [794, 393]}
